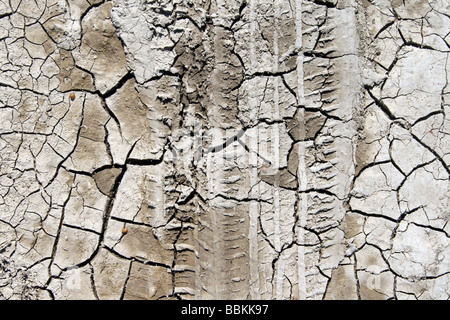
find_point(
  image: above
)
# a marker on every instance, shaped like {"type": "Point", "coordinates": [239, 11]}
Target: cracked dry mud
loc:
{"type": "Point", "coordinates": [212, 149]}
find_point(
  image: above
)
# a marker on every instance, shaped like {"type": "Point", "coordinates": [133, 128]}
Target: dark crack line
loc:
{"type": "Point", "coordinates": [438, 157]}
{"type": "Point", "coordinates": [124, 288]}
{"type": "Point", "coordinates": [381, 104]}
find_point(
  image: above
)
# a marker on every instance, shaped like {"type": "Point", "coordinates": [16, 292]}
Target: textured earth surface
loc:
{"type": "Point", "coordinates": [212, 149]}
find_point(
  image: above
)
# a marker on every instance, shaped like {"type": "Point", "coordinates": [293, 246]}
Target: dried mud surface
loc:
{"type": "Point", "coordinates": [212, 149]}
